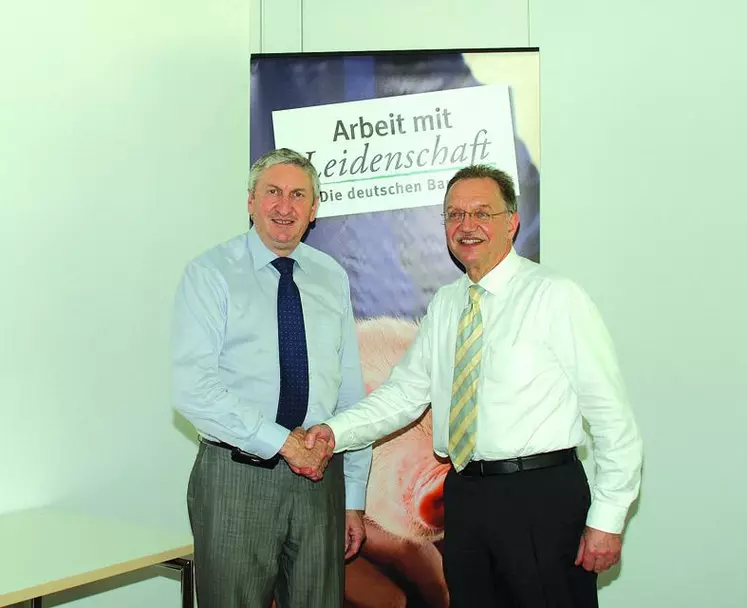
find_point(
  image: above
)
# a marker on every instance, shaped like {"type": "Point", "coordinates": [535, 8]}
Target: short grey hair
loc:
{"type": "Point", "coordinates": [503, 179]}
{"type": "Point", "coordinates": [283, 156]}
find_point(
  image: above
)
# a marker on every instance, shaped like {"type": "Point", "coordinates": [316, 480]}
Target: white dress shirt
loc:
{"type": "Point", "coordinates": [547, 361]}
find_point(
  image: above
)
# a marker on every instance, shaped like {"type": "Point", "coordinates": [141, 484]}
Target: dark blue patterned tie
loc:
{"type": "Point", "coordinates": [294, 362]}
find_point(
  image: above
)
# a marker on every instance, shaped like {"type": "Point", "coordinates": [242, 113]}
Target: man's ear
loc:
{"type": "Point", "coordinates": [514, 224]}
{"type": "Point", "coordinates": [314, 209]}
{"type": "Point", "coordinates": [250, 203]}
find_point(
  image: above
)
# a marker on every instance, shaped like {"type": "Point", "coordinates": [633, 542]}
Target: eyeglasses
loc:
{"type": "Point", "coordinates": [481, 217]}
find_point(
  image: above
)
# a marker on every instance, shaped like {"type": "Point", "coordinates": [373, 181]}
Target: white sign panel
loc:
{"type": "Point", "coordinates": [399, 152]}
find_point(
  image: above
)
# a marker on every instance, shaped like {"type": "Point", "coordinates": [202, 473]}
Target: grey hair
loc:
{"type": "Point", "coordinates": [504, 181]}
{"type": "Point", "coordinates": [283, 156]}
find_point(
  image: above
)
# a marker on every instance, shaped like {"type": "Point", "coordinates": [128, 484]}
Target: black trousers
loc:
{"type": "Point", "coordinates": [510, 540]}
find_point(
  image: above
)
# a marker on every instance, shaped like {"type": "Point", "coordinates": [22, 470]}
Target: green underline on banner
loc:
{"type": "Point", "coordinates": [366, 179]}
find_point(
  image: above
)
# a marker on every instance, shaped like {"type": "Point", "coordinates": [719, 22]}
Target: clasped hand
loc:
{"type": "Point", "coordinates": [309, 453]}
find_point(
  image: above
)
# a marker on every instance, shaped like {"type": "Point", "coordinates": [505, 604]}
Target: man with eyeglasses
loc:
{"type": "Point", "coordinates": [511, 357]}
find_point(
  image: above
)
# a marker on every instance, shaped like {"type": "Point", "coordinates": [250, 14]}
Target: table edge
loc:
{"type": "Point", "coordinates": [93, 576]}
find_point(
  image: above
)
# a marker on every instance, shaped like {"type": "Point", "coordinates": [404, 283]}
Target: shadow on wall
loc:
{"type": "Point", "coordinates": [185, 428]}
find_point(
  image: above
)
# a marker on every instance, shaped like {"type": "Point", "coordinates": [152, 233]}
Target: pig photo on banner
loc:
{"type": "Point", "coordinates": [386, 131]}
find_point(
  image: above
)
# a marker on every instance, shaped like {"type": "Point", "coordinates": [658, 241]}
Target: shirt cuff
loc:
{"type": "Point", "coordinates": [606, 517]}
{"type": "Point", "coordinates": [267, 442]}
{"type": "Point", "coordinates": [338, 433]}
{"type": "Point", "coordinates": [355, 496]}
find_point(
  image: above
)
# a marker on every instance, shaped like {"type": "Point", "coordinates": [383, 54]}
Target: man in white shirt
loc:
{"type": "Point", "coordinates": [511, 357]}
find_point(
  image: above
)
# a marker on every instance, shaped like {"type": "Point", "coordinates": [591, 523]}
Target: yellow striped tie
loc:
{"type": "Point", "coordinates": [463, 414]}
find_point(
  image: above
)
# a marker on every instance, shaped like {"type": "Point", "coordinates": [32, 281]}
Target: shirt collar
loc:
{"type": "Point", "coordinates": [497, 278]}
{"type": "Point", "coordinates": [262, 256]}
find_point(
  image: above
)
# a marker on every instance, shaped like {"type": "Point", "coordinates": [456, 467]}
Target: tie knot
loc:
{"type": "Point", "coordinates": [284, 265]}
{"type": "Point", "coordinates": [475, 293]}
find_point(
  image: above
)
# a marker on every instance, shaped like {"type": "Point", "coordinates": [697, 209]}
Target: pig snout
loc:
{"type": "Point", "coordinates": [428, 499]}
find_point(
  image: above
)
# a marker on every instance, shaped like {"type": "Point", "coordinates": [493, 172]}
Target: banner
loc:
{"type": "Point", "coordinates": [386, 131]}
{"type": "Point", "coordinates": [409, 145]}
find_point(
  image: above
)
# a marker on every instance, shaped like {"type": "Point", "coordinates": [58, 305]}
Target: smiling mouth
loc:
{"type": "Point", "coordinates": [283, 222]}
{"type": "Point", "coordinates": [469, 241]}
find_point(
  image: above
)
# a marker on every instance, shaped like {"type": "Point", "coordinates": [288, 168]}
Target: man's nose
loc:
{"type": "Point", "coordinates": [468, 223]}
{"type": "Point", "coordinates": [284, 206]}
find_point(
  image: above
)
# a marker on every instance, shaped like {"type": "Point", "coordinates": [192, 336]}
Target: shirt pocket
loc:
{"type": "Point", "coordinates": [324, 335]}
{"type": "Point", "coordinates": [507, 368]}
{"type": "Point", "coordinates": [323, 343]}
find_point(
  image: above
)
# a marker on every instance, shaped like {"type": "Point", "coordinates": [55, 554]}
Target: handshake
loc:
{"type": "Point", "coordinates": [308, 452]}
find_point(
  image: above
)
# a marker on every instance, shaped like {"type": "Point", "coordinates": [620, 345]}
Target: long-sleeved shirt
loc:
{"type": "Point", "coordinates": [226, 373]}
{"type": "Point", "coordinates": [547, 361]}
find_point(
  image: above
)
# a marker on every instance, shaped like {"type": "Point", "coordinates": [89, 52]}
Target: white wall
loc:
{"type": "Point", "coordinates": [643, 131]}
{"type": "Point", "coordinates": [643, 203]}
{"type": "Point", "coordinates": [124, 153]}
{"type": "Point", "coordinates": [333, 25]}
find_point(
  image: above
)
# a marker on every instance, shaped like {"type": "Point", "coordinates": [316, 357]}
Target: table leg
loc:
{"type": "Point", "coordinates": [36, 602]}
{"type": "Point", "coordinates": [188, 584]}
{"type": "Point", "coordinates": [186, 571]}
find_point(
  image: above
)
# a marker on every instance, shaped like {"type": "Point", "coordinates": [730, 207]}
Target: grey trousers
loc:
{"type": "Point", "coordinates": [264, 533]}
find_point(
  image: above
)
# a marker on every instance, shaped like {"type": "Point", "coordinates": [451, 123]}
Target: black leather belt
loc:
{"type": "Point", "coordinates": [238, 455]}
{"type": "Point", "coordinates": [480, 468]}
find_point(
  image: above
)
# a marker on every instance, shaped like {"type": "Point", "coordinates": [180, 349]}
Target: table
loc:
{"type": "Point", "coordinates": [46, 550]}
